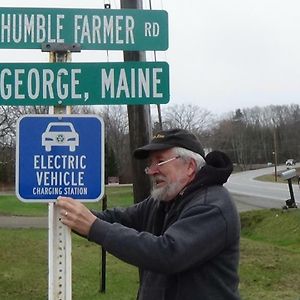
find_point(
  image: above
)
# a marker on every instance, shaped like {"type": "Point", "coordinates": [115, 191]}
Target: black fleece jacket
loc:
{"type": "Point", "coordinates": [185, 249]}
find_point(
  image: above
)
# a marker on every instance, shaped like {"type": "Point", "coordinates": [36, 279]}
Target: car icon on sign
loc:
{"type": "Point", "coordinates": [60, 134]}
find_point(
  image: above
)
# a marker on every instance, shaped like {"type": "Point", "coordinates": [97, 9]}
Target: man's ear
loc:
{"type": "Point", "coordinates": [192, 166]}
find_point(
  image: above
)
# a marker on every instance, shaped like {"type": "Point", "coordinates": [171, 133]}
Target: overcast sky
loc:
{"type": "Point", "coordinates": [223, 55]}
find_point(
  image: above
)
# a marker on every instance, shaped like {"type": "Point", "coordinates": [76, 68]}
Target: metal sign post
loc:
{"type": "Point", "coordinates": [59, 257]}
{"type": "Point", "coordinates": [59, 235]}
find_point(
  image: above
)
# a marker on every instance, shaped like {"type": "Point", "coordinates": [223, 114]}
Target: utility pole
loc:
{"type": "Point", "coordinates": [159, 117]}
{"type": "Point", "coordinates": [139, 123]}
{"type": "Point", "coordinates": [275, 153]}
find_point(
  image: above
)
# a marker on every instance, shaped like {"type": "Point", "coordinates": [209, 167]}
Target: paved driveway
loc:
{"type": "Point", "coordinates": [272, 194]}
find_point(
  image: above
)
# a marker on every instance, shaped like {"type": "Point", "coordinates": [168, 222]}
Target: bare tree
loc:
{"type": "Point", "coordinates": [190, 117]}
{"type": "Point", "coordinates": [8, 119]}
{"type": "Point", "coordinates": [83, 109]}
{"type": "Point", "coordinates": [249, 135]}
{"type": "Point", "coordinates": [7, 125]}
{"type": "Point", "coordinates": [117, 138]}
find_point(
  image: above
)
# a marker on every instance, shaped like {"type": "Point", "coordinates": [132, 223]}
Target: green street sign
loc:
{"type": "Point", "coordinates": [93, 29]}
{"type": "Point", "coordinates": [84, 83]}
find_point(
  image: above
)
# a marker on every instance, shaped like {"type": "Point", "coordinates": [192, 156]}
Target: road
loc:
{"type": "Point", "coordinates": [259, 193]}
{"type": "Point", "coordinates": [247, 192]}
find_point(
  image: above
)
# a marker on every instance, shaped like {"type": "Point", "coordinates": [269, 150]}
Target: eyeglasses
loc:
{"type": "Point", "coordinates": [147, 170]}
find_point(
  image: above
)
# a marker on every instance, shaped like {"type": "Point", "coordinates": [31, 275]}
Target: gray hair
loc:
{"type": "Point", "coordinates": [186, 154]}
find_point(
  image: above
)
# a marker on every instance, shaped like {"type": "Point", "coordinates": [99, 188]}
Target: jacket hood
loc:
{"type": "Point", "coordinates": [216, 171]}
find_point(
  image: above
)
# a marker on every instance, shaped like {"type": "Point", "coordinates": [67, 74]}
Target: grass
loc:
{"type": "Point", "coordinates": [269, 265]}
{"type": "Point", "coordinates": [24, 269]}
{"type": "Point", "coordinates": [268, 272]}
{"type": "Point", "coordinates": [23, 257]}
{"type": "Point", "coordinates": [116, 196]}
{"type": "Point", "coordinates": [270, 255]}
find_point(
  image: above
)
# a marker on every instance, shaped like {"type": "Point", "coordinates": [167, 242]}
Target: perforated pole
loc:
{"type": "Point", "coordinates": [59, 235]}
{"type": "Point", "coordinates": [60, 259]}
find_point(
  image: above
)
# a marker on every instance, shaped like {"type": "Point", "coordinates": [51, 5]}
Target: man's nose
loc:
{"type": "Point", "coordinates": [151, 170]}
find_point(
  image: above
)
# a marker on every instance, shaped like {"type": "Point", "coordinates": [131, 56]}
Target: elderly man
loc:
{"type": "Point", "coordinates": [185, 236]}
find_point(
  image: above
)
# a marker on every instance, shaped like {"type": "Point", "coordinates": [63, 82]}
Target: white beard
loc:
{"type": "Point", "coordinates": [165, 193]}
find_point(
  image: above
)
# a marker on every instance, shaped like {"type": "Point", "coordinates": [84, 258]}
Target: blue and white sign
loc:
{"type": "Point", "coordinates": [60, 155]}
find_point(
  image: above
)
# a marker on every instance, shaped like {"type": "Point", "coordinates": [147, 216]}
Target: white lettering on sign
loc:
{"type": "Point", "coordinates": [152, 29]}
{"type": "Point", "coordinates": [33, 81]}
{"type": "Point", "coordinates": [103, 30]}
{"type": "Point", "coordinates": [75, 191]}
{"type": "Point", "coordinates": [57, 162]}
{"type": "Point", "coordinates": [18, 83]}
{"type": "Point", "coordinates": [47, 178]}
{"type": "Point", "coordinates": [69, 191]}
{"type": "Point", "coordinates": [5, 89]}
{"type": "Point", "coordinates": [57, 170]}
{"type": "Point", "coordinates": [39, 84]}
{"type": "Point", "coordinates": [137, 82]}
{"type": "Point", "coordinates": [34, 28]}
{"type": "Point", "coordinates": [47, 191]}
{"type": "Point", "coordinates": [156, 82]}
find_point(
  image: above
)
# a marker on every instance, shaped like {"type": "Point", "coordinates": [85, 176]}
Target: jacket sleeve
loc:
{"type": "Point", "coordinates": [198, 235]}
{"type": "Point", "coordinates": [131, 217]}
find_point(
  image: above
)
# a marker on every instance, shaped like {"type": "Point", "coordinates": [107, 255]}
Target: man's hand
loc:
{"type": "Point", "coordinates": [75, 215]}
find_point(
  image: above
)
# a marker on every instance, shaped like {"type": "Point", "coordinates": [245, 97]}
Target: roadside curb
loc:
{"type": "Point", "coordinates": [23, 222]}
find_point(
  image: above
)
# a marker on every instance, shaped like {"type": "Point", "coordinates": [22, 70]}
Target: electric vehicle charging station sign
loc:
{"type": "Point", "coordinates": [60, 155]}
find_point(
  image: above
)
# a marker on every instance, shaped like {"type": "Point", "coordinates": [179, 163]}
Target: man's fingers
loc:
{"type": "Point", "coordinates": [75, 215]}
{"type": "Point", "coordinates": [66, 207]}
{"type": "Point", "coordinates": [65, 203]}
